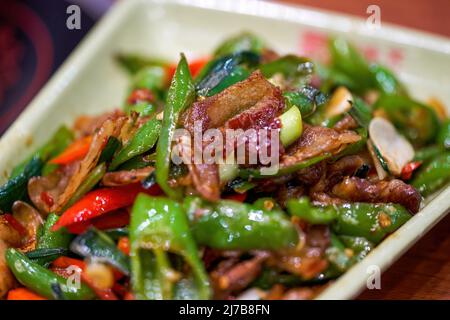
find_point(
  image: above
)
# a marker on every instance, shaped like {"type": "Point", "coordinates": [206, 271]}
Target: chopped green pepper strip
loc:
{"type": "Point", "coordinates": [52, 239]}
{"type": "Point", "coordinates": [426, 154]}
{"type": "Point", "coordinates": [368, 220]}
{"type": "Point", "coordinates": [307, 99]}
{"type": "Point", "coordinates": [180, 96]}
{"type": "Point", "coordinates": [303, 209]}
{"type": "Point", "coordinates": [96, 244]}
{"type": "Point", "coordinates": [160, 225]}
{"type": "Point", "coordinates": [359, 245]}
{"type": "Point", "coordinates": [133, 63]}
{"type": "Point", "coordinates": [404, 113]}
{"type": "Point", "coordinates": [443, 138]}
{"type": "Point", "coordinates": [57, 143]}
{"type": "Point", "coordinates": [258, 173]}
{"type": "Point", "coordinates": [111, 147]}
{"type": "Point", "coordinates": [245, 41]}
{"type": "Point", "coordinates": [434, 175]}
{"type": "Point", "coordinates": [233, 225]}
{"type": "Point", "coordinates": [40, 279]}
{"type": "Point", "coordinates": [237, 74]}
{"type": "Point", "coordinates": [16, 188]}
{"type": "Point", "coordinates": [225, 71]}
{"type": "Point", "coordinates": [291, 67]}
{"type": "Point", "coordinates": [144, 139]}
{"type": "Point", "coordinates": [361, 112]}
{"type": "Point", "coordinates": [371, 221]}
{"type": "Point", "coordinates": [87, 185]}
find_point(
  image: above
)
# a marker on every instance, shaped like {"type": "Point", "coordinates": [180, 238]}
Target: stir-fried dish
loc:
{"type": "Point", "coordinates": [329, 159]}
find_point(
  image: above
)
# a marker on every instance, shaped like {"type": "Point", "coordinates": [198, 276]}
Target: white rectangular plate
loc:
{"type": "Point", "coordinates": [91, 82]}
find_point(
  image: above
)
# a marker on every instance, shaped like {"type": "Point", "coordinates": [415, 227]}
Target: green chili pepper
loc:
{"type": "Point", "coordinates": [52, 239]}
{"type": "Point", "coordinates": [116, 233]}
{"type": "Point", "coordinates": [57, 143]}
{"type": "Point", "coordinates": [350, 69]}
{"type": "Point", "coordinates": [303, 209]}
{"type": "Point", "coordinates": [87, 185]}
{"type": "Point", "coordinates": [426, 154]}
{"type": "Point", "coordinates": [337, 257]}
{"type": "Point", "coordinates": [237, 74]}
{"type": "Point", "coordinates": [180, 96]}
{"type": "Point", "coordinates": [386, 81]}
{"type": "Point", "coordinates": [137, 162]}
{"type": "Point", "coordinates": [98, 245]}
{"type": "Point", "coordinates": [443, 138]}
{"type": "Point", "coordinates": [292, 67]}
{"type": "Point", "coordinates": [332, 78]}
{"type": "Point", "coordinates": [133, 63]}
{"type": "Point", "coordinates": [346, 60]}
{"type": "Point", "coordinates": [40, 279]}
{"type": "Point", "coordinates": [111, 146]}
{"type": "Point", "coordinates": [225, 71]}
{"type": "Point", "coordinates": [361, 112]}
{"type": "Point", "coordinates": [144, 139]}
{"type": "Point", "coordinates": [153, 78]}
{"type": "Point", "coordinates": [371, 221]}
{"type": "Point", "coordinates": [16, 188]}
{"type": "Point", "coordinates": [234, 225]}
{"type": "Point", "coordinates": [319, 118]}
{"type": "Point", "coordinates": [434, 175]}
{"type": "Point", "coordinates": [418, 122]}
{"type": "Point", "coordinates": [269, 277]}
{"type": "Point", "coordinates": [47, 253]}
{"type": "Point", "coordinates": [307, 99]}
{"type": "Point", "coordinates": [266, 203]}
{"type": "Point", "coordinates": [359, 245]}
{"type": "Point", "coordinates": [245, 41]}
{"type": "Point", "coordinates": [341, 258]}
{"type": "Point", "coordinates": [159, 225]}
{"type": "Point", "coordinates": [258, 173]}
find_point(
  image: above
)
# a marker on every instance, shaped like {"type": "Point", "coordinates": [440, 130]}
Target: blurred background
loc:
{"type": "Point", "coordinates": [34, 41]}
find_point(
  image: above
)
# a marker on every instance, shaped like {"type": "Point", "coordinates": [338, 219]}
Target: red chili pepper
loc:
{"type": "Point", "coordinates": [119, 289]}
{"type": "Point", "coordinates": [60, 264]}
{"type": "Point", "coordinates": [23, 294]}
{"type": "Point", "coordinates": [15, 224]}
{"type": "Point", "coordinates": [195, 67]}
{"type": "Point", "coordinates": [101, 201]}
{"type": "Point", "coordinates": [128, 296]}
{"type": "Point", "coordinates": [409, 169]}
{"type": "Point", "coordinates": [65, 262]}
{"type": "Point", "coordinates": [124, 245]}
{"type": "Point", "coordinates": [117, 219]}
{"type": "Point", "coordinates": [142, 94]}
{"type": "Point", "coordinates": [77, 150]}
{"type": "Point", "coordinates": [240, 197]}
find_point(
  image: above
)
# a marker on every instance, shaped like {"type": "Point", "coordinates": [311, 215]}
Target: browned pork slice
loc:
{"type": "Point", "coordinates": [44, 191]}
{"type": "Point", "coordinates": [316, 141]}
{"type": "Point", "coordinates": [252, 103]}
{"type": "Point", "coordinates": [215, 111]}
{"type": "Point", "coordinates": [111, 127]}
{"type": "Point", "coordinates": [396, 191]}
{"type": "Point", "coordinates": [124, 177]}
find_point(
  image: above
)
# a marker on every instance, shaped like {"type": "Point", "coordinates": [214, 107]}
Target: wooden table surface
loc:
{"type": "Point", "coordinates": [424, 271]}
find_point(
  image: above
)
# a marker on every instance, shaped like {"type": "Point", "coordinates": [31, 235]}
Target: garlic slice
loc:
{"type": "Point", "coordinates": [394, 149]}
{"type": "Point", "coordinates": [340, 102]}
